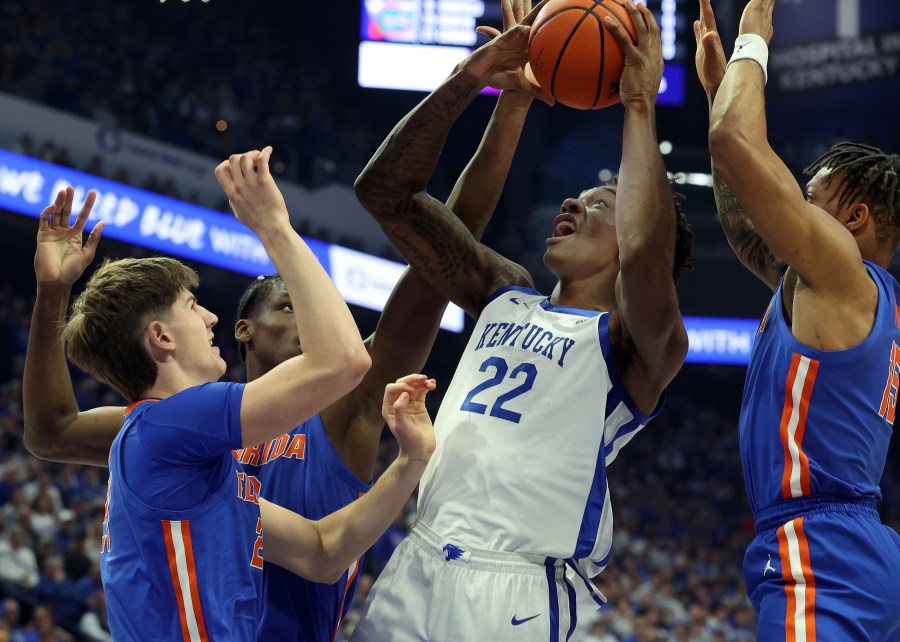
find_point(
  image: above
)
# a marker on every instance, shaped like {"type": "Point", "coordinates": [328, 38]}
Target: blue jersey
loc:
{"type": "Point", "coordinates": [180, 548]}
{"type": "Point", "coordinates": [819, 423]}
{"type": "Point", "coordinates": [302, 471]}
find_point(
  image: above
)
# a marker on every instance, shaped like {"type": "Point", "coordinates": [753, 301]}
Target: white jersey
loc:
{"type": "Point", "coordinates": [533, 415]}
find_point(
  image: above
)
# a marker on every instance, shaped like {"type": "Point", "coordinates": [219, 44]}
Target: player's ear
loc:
{"type": "Point", "coordinates": [858, 217]}
{"type": "Point", "coordinates": [158, 337]}
{"type": "Point", "coordinates": [243, 331]}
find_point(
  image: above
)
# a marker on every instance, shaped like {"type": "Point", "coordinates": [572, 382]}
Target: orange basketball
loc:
{"type": "Point", "coordinates": [573, 57]}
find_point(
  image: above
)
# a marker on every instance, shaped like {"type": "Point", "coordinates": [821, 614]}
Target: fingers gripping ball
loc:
{"type": "Point", "coordinates": [573, 56]}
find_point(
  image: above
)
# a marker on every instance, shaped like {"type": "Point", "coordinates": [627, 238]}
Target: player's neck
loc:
{"type": "Point", "coordinates": [585, 294]}
{"type": "Point", "coordinates": [171, 380]}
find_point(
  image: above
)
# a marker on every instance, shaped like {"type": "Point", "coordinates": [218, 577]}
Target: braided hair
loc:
{"type": "Point", "coordinates": [255, 294]}
{"type": "Point", "coordinates": [869, 175]}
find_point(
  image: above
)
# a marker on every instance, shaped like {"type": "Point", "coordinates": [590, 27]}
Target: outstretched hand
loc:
{"type": "Point", "coordinates": [252, 193]}
{"type": "Point", "coordinates": [502, 63]}
{"type": "Point", "coordinates": [643, 59]}
{"type": "Point", "coordinates": [404, 411]}
{"type": "Point", "coordinates": [757, 19]}
{"type": "Point", "coordinates": [60, 257]}
{"type": "Point", "coordinates": [710, 56]}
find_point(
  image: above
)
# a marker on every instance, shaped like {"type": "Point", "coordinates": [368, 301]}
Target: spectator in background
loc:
{"type": "Point", "coordinates": [42, 628]}
{"type": "Point", "coordinates": [95, 623]}
{"type": "Point", "coordinates": [18, 564]}
{"type": "Point", "coordinates": [57, 590]}
{"type": "Point", "coordinates": [11, 619]}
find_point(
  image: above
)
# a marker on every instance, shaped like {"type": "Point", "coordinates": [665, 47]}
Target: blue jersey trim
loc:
{"type": "Point", "coordinates": [591, 589]}
{"type": "Point", "coordinates": [506, 288]}
{"type": "Point", "coordinates": [836, 356]}
{"type": "Point", "coordinates": [573, 611]}
{"type": "Point", "coordinates": [618, 394]}
{"type": "Point", "coordinates": [593, 510]}
{"type": "Point", "coordinates": [564, 310]}
{"type": "Point", "coordinates": [550, 563]}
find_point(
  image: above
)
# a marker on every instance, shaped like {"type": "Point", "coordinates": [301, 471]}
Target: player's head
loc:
{"type": "Point", "coordinates": [130, 318]}
{"type": "Point", "coordinates": [852, 179]}
{"type": "Point", "coordinates": [266, 331]}
{"type": "Point", "coordinates": [584, 235]}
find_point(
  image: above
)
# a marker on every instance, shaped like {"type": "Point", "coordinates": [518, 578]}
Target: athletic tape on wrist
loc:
{"type": "Point", "coordinates": [750, 46]}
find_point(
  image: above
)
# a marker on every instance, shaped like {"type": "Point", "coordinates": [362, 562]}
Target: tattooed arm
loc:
{"type": "Point", "coordinates": [392, 185]}
{"type": "Point", "coordinates": [743, 238]}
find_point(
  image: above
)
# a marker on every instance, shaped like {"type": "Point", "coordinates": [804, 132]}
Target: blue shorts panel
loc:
{"type": "Point", "coordinates": [826, 576]}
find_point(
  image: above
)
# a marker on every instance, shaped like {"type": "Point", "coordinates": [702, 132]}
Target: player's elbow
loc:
{"type": "Point", "coordinates": [36, 444]}
{"type": "Point", "coordinates": [357, 364]}
{"type": "Point", "coordinates": [376, 192]}
{"type": "Point", "coordinates": [345, 370]}
{"type": "Point", "coordinates": [37, 447]}
{"type": "Point", "coordinates": [319, 570]}
{"type": "Point", "coordinates": [328, 574]}
{"type": "Point", "coordinates": [728, 142]}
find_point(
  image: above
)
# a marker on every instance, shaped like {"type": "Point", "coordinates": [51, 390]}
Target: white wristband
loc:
{"type": "Point", "coordinates": [750, 46]}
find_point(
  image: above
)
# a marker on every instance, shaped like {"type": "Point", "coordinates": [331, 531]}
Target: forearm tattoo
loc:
{"type": "Point", "coordinates": [743, 237]}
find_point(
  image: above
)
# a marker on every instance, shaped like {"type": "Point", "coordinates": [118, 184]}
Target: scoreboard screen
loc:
{"type": "Point", "coordinates": [414, 44]}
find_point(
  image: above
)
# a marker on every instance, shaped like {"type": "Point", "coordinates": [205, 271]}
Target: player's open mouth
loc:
{"type": "Point", "coordinates": [563, 225]}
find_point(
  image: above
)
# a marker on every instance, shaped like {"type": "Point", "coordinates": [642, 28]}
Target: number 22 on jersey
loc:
{"type": "Point", "coordinates": [525, 373]}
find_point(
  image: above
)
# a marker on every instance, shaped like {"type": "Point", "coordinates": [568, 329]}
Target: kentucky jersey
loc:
{"type": "Point", "coordinates": [532, 417]}
{"type": "Point", "coordinates": [180, 548]}
{"type": "Point", "coordinates": [301, 471]}
{"type": "Point", "coordinates": [815, 422]}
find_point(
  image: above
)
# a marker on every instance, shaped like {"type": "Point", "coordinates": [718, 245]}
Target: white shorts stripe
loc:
{"type": "Point", "coordinates": [184, 581]}
{"type": "Point", "coordinates": [799, 588]}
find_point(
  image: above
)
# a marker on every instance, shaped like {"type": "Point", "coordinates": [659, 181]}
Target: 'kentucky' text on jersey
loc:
{"type": "Point", "coordinates": [516, 471]}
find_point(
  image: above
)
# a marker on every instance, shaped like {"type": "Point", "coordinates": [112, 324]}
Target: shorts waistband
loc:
{"type": "Point", "coordinates": [451, 550]}
{"type": "Point", "coordinates": [781, 512]}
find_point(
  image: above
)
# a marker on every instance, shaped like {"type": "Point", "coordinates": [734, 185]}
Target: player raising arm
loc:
{"type": "Point", "coordinates": [585, 367]}
{"type": "Point", "coordinates": [340, 443]}
{"type": "Point", "coordinates": [820, 398]}
{"type": "Point", "coordinates": [171, 465]}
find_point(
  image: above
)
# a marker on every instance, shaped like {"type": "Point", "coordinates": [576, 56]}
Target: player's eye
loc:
{"type": "Point", "coordinates": [287, 307]}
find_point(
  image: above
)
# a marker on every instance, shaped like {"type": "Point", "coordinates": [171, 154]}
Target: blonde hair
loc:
{"type": "Point", "coordinates": [103, 333]}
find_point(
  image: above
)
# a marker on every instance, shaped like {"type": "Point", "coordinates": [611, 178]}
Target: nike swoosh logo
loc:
{"type": "Point", "coordinates": [516, 622]}
{"type": "Point", "coordinates": [513, 299]}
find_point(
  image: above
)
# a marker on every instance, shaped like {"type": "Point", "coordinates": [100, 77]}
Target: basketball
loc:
{"type": "Point", "coordinates": [573, 57]}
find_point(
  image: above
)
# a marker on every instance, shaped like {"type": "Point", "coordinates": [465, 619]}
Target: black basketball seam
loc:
{"type": "Point", "coordinates": [617, 18]}
{"type": "Point", "coordinates": [549, 18]}
{"type": "Point", "coordinates": [602, 54]}
{"type": "Point", "coordinates": [562, 50]}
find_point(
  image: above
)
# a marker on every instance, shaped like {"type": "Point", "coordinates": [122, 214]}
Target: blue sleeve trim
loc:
{"type": "Point", "coordinates": [618, 393]}
{"type": "Point", "coordinates": [506, 288]}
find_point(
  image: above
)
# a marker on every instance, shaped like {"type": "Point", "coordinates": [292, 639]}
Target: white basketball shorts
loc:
{"type": "Point", "coordinates": [439, 590]}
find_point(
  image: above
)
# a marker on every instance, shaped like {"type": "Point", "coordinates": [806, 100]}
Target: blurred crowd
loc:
{"type": "Point", "coordinates": [682, 521]}
{"type": "Point", "coordinates": [178, 71]}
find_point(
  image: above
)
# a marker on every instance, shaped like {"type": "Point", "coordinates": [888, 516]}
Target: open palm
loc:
{"type": "Point", "coordinates": [61, 257]}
